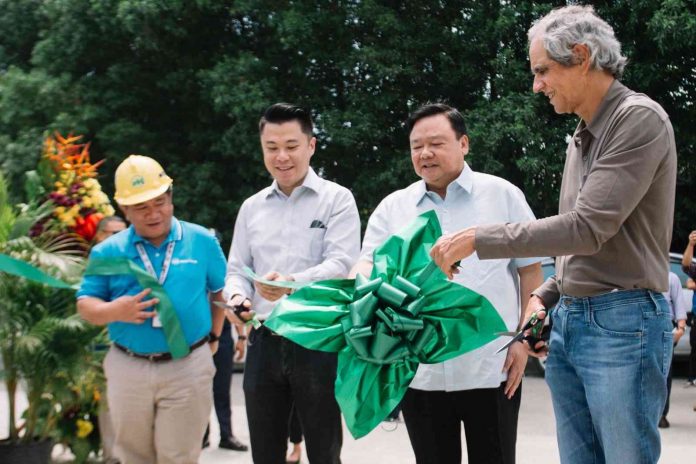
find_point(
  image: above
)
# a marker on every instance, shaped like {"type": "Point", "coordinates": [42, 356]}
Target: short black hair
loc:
{"type": "Point", "coordinates": [286, 112]}
{"type": "Point", "coordinates": [431, 109]}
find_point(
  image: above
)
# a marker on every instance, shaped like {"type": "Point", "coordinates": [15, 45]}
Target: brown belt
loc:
{"type": "Point", "coordinates": [158, 357]}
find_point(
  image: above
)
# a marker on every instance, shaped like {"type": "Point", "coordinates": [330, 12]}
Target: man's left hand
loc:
{"type": "Point", "coordinates": [270, 292]}
{"type": "Point", "coordinates": [239, 348]}
{"type": "Point", "coordinates": [515, 363]}
{"type": "Point", "coordinates": [677, 334]}
{"type": "Point", "coordinates": [213, 346]}
{"type": "Point", "coordinates": [451, 248]}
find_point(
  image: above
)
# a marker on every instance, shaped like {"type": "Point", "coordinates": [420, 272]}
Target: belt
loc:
{"type": "Point", "coordinates": [158, 357]}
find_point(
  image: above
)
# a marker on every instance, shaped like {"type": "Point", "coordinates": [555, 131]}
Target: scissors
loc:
{"type": "Point", "coordinates": [236, 311]}
{"type": "Point", "coordinates": [538, 333]}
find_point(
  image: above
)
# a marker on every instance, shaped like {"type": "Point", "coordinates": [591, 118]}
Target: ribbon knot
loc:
{"type": "Point", "coordinates": [384, 323]}
{"type": "Point", "coordinates": [406, 313]}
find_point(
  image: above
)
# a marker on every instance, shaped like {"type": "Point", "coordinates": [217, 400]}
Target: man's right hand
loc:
{"type": "Point", "coordinates": [536, 304]}
{"type": "Point", "coordinates": [239, 300]}
{"type": "Point", "coordinates": [692, 238]}
{"type": "Point", "coordinates": [132, 308]}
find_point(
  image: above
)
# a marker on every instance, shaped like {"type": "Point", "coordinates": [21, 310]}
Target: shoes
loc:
{"type": "Point", "coordinates": [690, 383]}
{"type": "Point", "coordinates": [664, 423]}
{"type": "Point", "coordinates": [233, 444]}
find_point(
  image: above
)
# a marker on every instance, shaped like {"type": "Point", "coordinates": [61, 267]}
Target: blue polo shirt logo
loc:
{"type": "Point", "coordinates": [177, 261]}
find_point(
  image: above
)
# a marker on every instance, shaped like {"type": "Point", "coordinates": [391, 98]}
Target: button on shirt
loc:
{"type": "Point", "coordinates": [313, 234]}
{"type": "Point", "coordinates": [473, 198]}
{"type": "Point", "coordinates": [197, 267]}
{"type": "Point", "coordinates": [616, 205]}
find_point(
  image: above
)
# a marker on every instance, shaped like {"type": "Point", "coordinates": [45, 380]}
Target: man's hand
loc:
{"type": "Point", "coordinates": [270, 292]}
{"type": "Point", "coordinates": [239, 300]}
{"type": "Point", "coordinates": [536, 304]}
{"type": "Point", "coordinates": [692, 238]}
{"type": "Point", "coordinates": [240, 349]}
{"type": "Point", "coordinates": [451, 248]}
{"type": "Point", "coordinates": [677, 334]}
{"type": "Point", "coordinates": [131, 308]}
{"type": "Point", "coordinates": [515, 362]}
{"type": "Point", "coordinates": [214, 346]}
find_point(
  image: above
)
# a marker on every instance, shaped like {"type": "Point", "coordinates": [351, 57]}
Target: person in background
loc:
{"type": "Point", "coordinates": [107, 227]}
{"type": "Point", "coordinates": [689, 268]}
{"type": "Point", "coordinates": [222, 382]}
{"type": "Point", "coordinates": [675, 298]}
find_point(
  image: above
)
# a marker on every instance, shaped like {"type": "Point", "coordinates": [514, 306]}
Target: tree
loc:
{"type": "Point", "coordinates": [185, 81]}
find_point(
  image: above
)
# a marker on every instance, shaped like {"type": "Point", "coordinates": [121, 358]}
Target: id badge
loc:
{"type": "Point", "coordinates": [156, 322]}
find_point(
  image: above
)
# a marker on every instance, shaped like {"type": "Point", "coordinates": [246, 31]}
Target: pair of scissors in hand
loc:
{"type": "Point", "coordinates": [536, 334]}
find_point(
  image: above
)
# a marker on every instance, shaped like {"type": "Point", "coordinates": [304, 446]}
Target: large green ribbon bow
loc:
{"type": "Point", "coordinates": [173, 333]}
{"type": "Point", "coordinates": [406, 313]}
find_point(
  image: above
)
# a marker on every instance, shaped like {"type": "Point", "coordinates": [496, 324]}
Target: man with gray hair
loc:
{"type": "Point", "coordinates": [611, 342]}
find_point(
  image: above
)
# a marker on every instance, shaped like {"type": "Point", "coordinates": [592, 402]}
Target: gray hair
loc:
{"type": "Point", "coordinates": [565, 27]}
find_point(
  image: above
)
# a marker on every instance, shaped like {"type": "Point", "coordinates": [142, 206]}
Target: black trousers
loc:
{"type": "Point", "coordinates": [669, 387]}
{"type": "Point", "coordinates": [278, 374]}
{"type": "Point", "coordinates": [691, 320]}
{"type": "Point", "coordinates": [433, 420]}
{"type": "Point", "coordinates": [222, 382]}
{"type": "Point", "coordinates": [294, 427]}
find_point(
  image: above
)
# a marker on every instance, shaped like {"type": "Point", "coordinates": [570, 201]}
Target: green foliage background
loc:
{"type": "Point", "coordinates": [185, 81]}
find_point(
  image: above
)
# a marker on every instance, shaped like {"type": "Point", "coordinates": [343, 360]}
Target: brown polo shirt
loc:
{"type": "Point", "coordinates": [614, 223]}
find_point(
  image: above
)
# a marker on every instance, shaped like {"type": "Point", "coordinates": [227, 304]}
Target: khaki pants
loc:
{"type": "Point", "coordinates": [159, 411]}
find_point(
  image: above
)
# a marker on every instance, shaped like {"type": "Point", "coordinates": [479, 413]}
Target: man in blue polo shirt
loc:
{"type": "Point", "coordinates": [160, 405]}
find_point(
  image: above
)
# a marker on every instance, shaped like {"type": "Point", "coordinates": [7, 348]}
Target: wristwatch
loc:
{"type": "Point", "coordinates": [241, 337]}
{"type": "Point", "coordinates": [212, 337]}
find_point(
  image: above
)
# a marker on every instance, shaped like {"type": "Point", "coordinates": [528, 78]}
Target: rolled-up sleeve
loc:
{"type": "Point", "coordinates": [341, 242]}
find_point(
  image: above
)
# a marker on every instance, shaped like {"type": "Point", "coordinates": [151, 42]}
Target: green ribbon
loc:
{"type": "Point", "coordinates": [174, 334]}
{"type": "Point", "coordinates": [275, 283]}
{"type": "Point", "coordinates": [20, 268]}
{"type": "Point", "coordinates": [406, 313]}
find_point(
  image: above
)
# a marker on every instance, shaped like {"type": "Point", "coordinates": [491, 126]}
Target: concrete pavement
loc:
{"type": "Point", "coordinates": [389, 444]}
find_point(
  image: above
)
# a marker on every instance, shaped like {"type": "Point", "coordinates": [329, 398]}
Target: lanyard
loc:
{"type": "Point", "coordinates": [148, 264]}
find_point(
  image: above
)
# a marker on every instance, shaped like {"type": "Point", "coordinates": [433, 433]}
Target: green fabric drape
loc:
{"type": "Point", "coordinates": [176, 341]}
{"type": "Point", "coordinates": [174, 334]}
{"type": "Point", "coordinates": [20, 268]}
{"type": "Point", "coordinates": [406, 313]}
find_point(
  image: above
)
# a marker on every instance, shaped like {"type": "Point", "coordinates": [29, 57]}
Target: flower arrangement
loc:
{"type": "Point", "coordinates": [78, 423]}
{"type": "Point", "coordinates": [69, 179]}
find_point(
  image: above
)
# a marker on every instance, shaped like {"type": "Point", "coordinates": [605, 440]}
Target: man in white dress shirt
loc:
{"type": "Point", "coordinates": [480, 388]}
{"type": "Point", "coordinates": [301, 228]}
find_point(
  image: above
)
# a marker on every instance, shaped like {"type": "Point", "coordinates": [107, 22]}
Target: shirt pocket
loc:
{"type": "Point", "coordinates": [316, 244]}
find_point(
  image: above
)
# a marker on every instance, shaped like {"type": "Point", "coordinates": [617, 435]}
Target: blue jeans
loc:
{"type": "Point", "coordinates": [607, 368]}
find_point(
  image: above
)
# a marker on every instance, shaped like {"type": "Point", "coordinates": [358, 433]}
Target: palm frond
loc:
{"type": "Point", "coordinates": [7, 217]}
{"type": "Point", "coordinates": [29, 214]}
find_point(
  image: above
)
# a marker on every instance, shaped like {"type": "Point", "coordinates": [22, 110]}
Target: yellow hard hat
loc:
{"type": "Point", "coordinates": [139, 179]}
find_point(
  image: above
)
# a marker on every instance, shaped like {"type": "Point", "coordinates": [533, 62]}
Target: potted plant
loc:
{"type": "Point", "coordinates": [44, 344]}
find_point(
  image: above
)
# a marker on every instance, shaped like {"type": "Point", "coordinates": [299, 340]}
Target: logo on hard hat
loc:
{"type": "Point", "coordinates": [137, 180]}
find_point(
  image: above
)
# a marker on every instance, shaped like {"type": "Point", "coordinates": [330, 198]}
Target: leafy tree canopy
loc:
{"type": "Point", "coordinates": [185, 81]}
